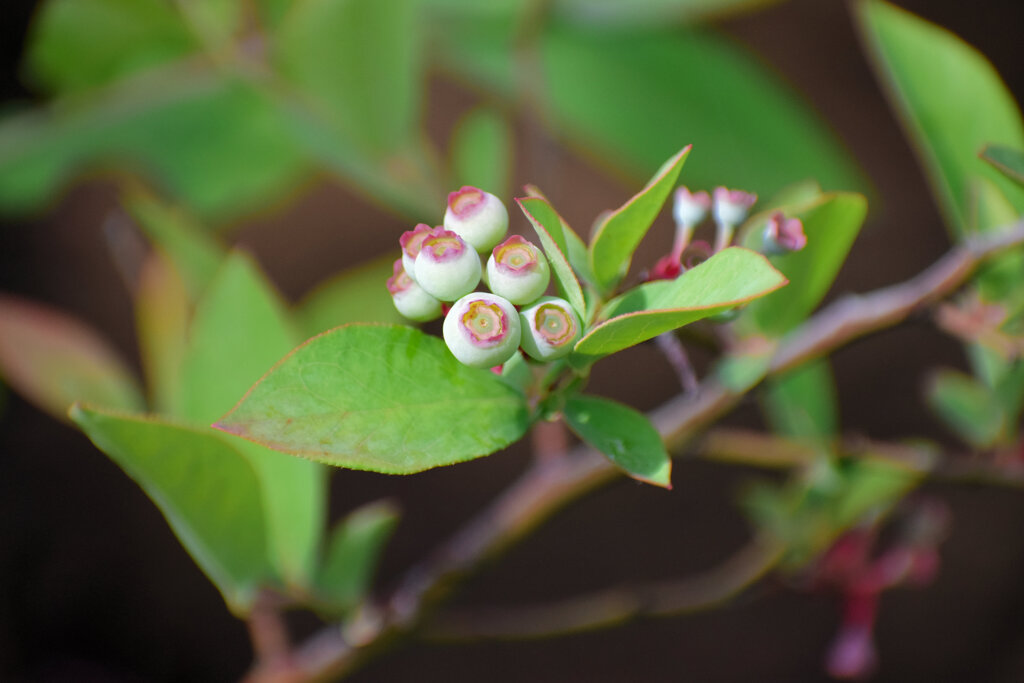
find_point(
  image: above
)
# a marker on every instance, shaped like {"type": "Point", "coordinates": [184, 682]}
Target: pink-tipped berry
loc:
{"type": "Point", "coordinates": [518, 271]}
{"type": "Point", "coordinates": [446, 267]}
{"type": "Point", "coordinates": [551, 329]}
{"type": "Point", "coordinates": [482, 330]}
{"type": "Point", "coordinates": [476, 216]}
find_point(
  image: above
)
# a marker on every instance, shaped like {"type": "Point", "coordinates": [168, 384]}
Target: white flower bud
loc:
{"type": "Point", "coordinates": [446, 267]}
{"type": "Point", "coordinates": [482, 330]}
{"type": "Point", "coordinates": [518, 271]}
{"type": "Point", "coordinates": [476, 216]}
{"type": "Point", "coordinates": [689, 208]}
{"type": "Point", "coordinates": [410, 299]}
{"type": "Point", "coordinates": [551, 329]}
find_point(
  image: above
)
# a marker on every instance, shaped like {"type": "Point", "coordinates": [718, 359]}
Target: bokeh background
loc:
{"type": "Point", "coordinates": [94, 587]}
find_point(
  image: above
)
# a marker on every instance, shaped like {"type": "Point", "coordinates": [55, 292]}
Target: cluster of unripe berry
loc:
{"type": "Point", "coordinates": [444, 265]}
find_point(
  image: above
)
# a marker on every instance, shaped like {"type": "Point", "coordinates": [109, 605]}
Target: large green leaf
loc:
{"type": "Point", "coordinates": [80, 44]}
{"type": "Point", "coordinates": [549, 228]}
{"type": "Point", "coordinates": [362, 61]}
{"type": "Point", "coordinates": [626, 436]}
{"type": "Point", "coordinates": [481, 150]}
{"type": "Point", "coordinates": [730, 278]}
{"type": "Point", "coordinates": [382, 398]}
{"type": "Point", "coordinates": [357, 295]}
{"type": "Point", "coordinates": [952, 103]}
{"type": "Point", "coordinates": [619, 233]}
{"type": "Point", "coordinates": [239, 330]}
{"type": "Point", "coordinates": [831, 224]}
{"type": "Point", "coordinates": [204, 487]}
{"type": "Point", "coordinates": [53, 360]}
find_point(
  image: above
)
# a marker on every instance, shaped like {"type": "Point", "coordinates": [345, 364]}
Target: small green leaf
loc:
{"type": "Point", "coordinates": [831, 224]}
{"type": "Point", "coordinates": [730, 278]}
{"type": "Point", "coordinates": [381, 398]}
{"type": "Point", "coordinates": [1008, 161]}
{"type": "Point", "coordinates": [161, 325]}
{"type": "Point", "coordinates": [357, 295]}
{"type": "Point", "coordinates": [204, 487]}
{"type": "Point", "coordinates": [951, 101]}
{"type": "Point", "coordinates": [971, 410]}
{"type": "Point", "coordinates": [53, 360]}
{"type": "Point", "coordinates": [626, 436]}
{"type": "Point", "coordinates": [548, 225]}
{"type": "Point", "coordinates": [998, 279]}
{"type": "Point", "coordinates": [619, 234]}
{"type": "Point", "coordinates": [575, 250]}
{"type": "Point", "coordinates": [642, 13]}
{"type": "Point", "coordinates": [352, 553]}
{"type": "Point", "coordinates": [481, 150]}
{"type": "Point", "coordinates": [240, 329]}
{"type": "Point", "coordinates": [801, 403]}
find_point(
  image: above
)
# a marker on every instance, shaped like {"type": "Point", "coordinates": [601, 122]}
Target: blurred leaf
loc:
{"type": "Point", "coordinates": [481, 150]}
{"type": "Point", "coordinates": [968, 408]}
{"type": "Point", "coordinates": [548, 225]}
{"type": "Point", "coordinates": [75, 45]}
{"type": "Point", "coordinates": [831, 224]}
{"type": "Point", "coordinates": [628, 13]}
{"type": "Point", "coordinates": [797, 194]}
{"type": "Point", "coordinates": [161, 324]}
{"type": "Point", "coordinates": [205, 489]}
{"type": "Point", "coordinates": [624, 435]}
{"type": "Point", "coordinates": [196, 256]}
{"type": "Point", "coordinates": [950, 99]}
{"type": "Point", "coordinates": [273, 12]}
{"type": "Point", "coordinates": [741, 372]}
{"type": "Point", "coordinates": [352, 553]}
{"type": "Point", "coordinates": [215, 144]}
{"type": "Point", "coordinates": [801, 403]}
{"type": "Point", "coordinates": [1008, 161]}
{"type": "Point", "coordinates": [618, 234]}
{"type": "Point", "coordinates": [357, 295]}
{"type": "Point", "coordinates": [998, 279]}
{"type": "Point", "coordinates": [240, 329]}
{"type": "Point", "coordinates": [382, 398]}
{"type": "Point", "coordinates": [730, 278]}
{"type": "Point", "coordinates": [217, 22]}
{"type": "Point", "coordinates": [362, 60]}
{"type": "Point", "coordinates": [53, 360]}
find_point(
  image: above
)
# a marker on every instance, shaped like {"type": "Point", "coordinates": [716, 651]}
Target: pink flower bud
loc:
{"type": "Point", "coordinates": [411, 242]}
{"type": "Point", "coordinates": [730, 209]}
{"type": "Point", "coordinates": [690, 208]}
{"type": "Point", "coordinates": [783, 235]}
{"type": "Point", "coordinates": [476, 216]}
{"type": "Point", "coordinates": [446, 267]}
{"type": "Point", "coordinates": [518, 271]}
{"type": "Point", "coordinates": [409, 298]}
{"type": "Point", "coordinates": [551, 329]}
{"type": "Point", "coordinates": [482, 330]}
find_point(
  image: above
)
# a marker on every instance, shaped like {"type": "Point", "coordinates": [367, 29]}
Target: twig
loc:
{"type": "Point", "coordinates": [675, 353]}
{"type": "Point", "coordinates": [550, 484]}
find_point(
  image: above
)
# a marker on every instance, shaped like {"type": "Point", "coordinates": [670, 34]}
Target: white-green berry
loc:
{"type": "Point", "coordinates": [482, 330]}
{"type": "Point", "coordinates": [551, 328]}
{"type": "Point", "coordinates": [409, 298]}
{"type": "Point", "coordinates": [518, 271]}
{"type": "Point", "coordinates": [476, 216]}
{"type": "Point", "coordinates": [446, 266]}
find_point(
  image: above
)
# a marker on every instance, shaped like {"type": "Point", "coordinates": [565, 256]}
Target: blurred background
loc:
{"type": "Point", "coordinates": [94, 586]}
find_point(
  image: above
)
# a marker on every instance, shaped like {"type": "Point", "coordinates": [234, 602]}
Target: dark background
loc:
{"type": "Point", "coordinates": [94, 587]}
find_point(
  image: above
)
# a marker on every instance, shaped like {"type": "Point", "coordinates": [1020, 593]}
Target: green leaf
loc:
{"type": "Point", "coordinates": [950, 99]}
{"type": "Point", "coordinates": [357, 295]}
{"type": "Point", "coordinates": [53, 360]}
{"type": "Point", "coordinates": [801, 403]}
{"type": "Point", "coordinates": [216, 22]}
{"type": "Point", "coordinates": [481, 150]}
{"type": "Point", "coordinates": [161, 324]}
{"type": "Point", "coordinates": [273, 12]}
{"type": "Point", "coordinates": [80, 44]}
{"type": "Point", "coordinates": [998, 278]}
{"type": "Point", "coordinates": [730, 278]}
{"type": "Point", "coordinates": [575, 250]}
{"type": "Point", "coordinates": [624, 435]}
{"type": "Point", "coordinates": [204, 487]}
{"type": "Point", "coordinates": [631, 13]}
{"type": "Point", "coordinates": [215, 144]}
{"type": "Point", "coordinates": [240, 329]}
{"type": "Point", "coordinates": [1008, 161]}
{"type": "Point", "coordinates": [360, 60]}
{"type": "Point", "coordinates": [381, 398]}
{"type": "Point", "coordinates": [967, 407]}
{"type": "Point", "coordinates": [352, 553]}
{"type": "Point", "coordinates": [549, 228]}
{"type": "Point", "coordinates": [831, 224]}
{"type": "Point", "coordinates": [617, 236]}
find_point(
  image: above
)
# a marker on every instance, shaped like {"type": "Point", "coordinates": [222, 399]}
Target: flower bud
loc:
{"type": "Point", "coordinates": [476, 216]}
{"type": "Point", "coordinates": [518, 271]}
{"type": "Point", "coordinates": [446, 267]}
{"type": "Point", "coordinates": [409, 298]}
{"type": "Point", "coordinates": [690, 208]}
{"type": "Point", "coordinates": [411, 242]}
{"type": "Point", "coordinates": [730, 209]}
{"type": "Point", "coordinates": [783, 235]}
{"type": "Point", "coordinates": [551, 329]}
{"type": "Point", "coordinates": [482, 330]}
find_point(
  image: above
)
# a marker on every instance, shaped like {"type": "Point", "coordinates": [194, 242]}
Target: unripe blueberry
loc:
{"type": "Point", "coordinates": [551, 329]}
{"type": "Point", "coordinates": [477, 217]}
{"type": "Point", "coordinates": [410, 299]}
{"type": "Point", "coordinates": [518, 271]}
{"type": "Point", "coordinates": [446, 267]}
{"type": "Point", "coordinates": [482, 330]}
{"type": "Point", "coordinates": [411, 242]}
